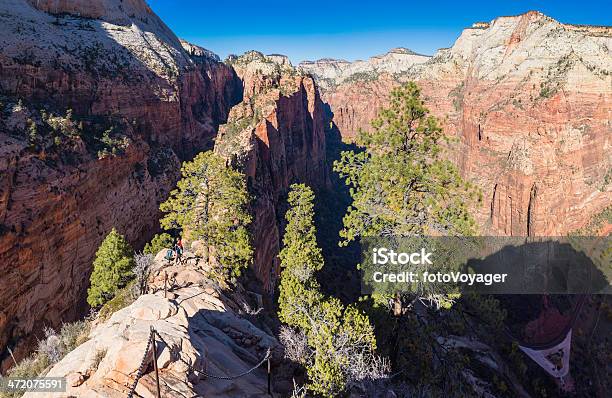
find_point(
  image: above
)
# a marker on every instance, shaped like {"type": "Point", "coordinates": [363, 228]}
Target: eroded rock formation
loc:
{"type": "Point", "coordinates": [125, 71]}
{"type": "Point", "coordinates": [276, 135]}
{"type": "Point", "coordinates": [530, 100]}
{"type": "Point", "coordinates": [204, 332]}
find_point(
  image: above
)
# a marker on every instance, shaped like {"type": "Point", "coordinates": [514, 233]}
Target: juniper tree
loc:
{"type": "Point", "coordinates": [401, 185]}
{"type": "Point", "coordinates": [211, 205]}
{"type": "Point", "coordinates": [335, 343]}
{"type": "Point", "coordinates": [112, 268]}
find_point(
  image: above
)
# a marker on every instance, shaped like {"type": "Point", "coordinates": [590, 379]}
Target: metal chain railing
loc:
{"type": "Point", "coordinates": [264, 359]}
{"type": "Point", "coordinates": [141, 368]}
{"type": "Point", "coordinates": [151, 341]}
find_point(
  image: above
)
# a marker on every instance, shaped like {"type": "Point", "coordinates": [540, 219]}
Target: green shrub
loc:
{"type": "Point", "coordinates": [158, 243]}
{"type": "Point", "coordinates": [123, 297]}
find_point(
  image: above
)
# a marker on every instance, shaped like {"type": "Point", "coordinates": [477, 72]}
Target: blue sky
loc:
{"type": "Point", "coordinates": [313, 29]}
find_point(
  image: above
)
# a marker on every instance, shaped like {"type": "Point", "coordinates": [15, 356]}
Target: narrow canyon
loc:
{"type": "Point", "coordinates": [528, 100]}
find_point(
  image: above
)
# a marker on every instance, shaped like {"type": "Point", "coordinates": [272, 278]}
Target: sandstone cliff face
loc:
{"type": "Point", "coordinates": [329, 72]}
{"type": "Point", "coordinates": [277, 136]}
{"type": "Point", "coordinates": [531, 101]}
{"type": "Point", "coordinates": [125, 70]}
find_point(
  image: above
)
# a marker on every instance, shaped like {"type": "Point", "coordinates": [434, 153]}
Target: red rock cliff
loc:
{"type": "Point", "coordinates": [123, 70]}
{"type": "Point", "coordinates": [277, 136]}
{"type": "Point", "coordinates": [531, 101]}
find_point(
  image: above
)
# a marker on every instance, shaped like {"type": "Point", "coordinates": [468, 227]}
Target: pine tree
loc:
{"type": "Point", "coordinates": [339, 345]}
{"type": "Point", "coordinates": [301, 258]}
{"type": "Point", "coordinates": [401, 185]}
{"type": "Point", "coordinates": [158, 243]}
{"type": "Point", "coordinates": [211, 205]}
{"type": "Point", "coordinates": [112, 268]}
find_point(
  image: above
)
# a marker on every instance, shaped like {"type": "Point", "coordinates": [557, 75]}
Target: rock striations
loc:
{"type": "Point", "coordinates": [530, 100]}
{"type": "Point", "coordinates": [276, 134]}
{"type": "Point", "coordinates": [204, 335]}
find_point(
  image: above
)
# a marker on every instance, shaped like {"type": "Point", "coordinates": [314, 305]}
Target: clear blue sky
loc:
{"type": "Point", "coordinates": [313, 29]}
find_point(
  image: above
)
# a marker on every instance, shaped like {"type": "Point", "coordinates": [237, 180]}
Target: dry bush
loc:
{"type": "Point", "coordinates": [141, 270]}
{"type": "Point", "coordinates": [295, 344]}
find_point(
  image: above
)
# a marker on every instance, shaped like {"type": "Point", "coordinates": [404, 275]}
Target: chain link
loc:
{"type": "Point", "coordinates": [141, 368]}
{"type": "Point", "coordinates": [151, 340]}
{"type": "Point", "coordinates": [265, 358]}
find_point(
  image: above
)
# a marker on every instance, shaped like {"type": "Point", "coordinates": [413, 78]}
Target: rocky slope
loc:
{"type": "Point", "coordinates": [277, 136]}
{"type": "Point", "coordinates": [204, 332]}
{"type": "Point", "coordinates": [330, 72]}
{"type": "Point", "coordinates": [99, 102]}
{"type": "Point", "coordinates": [531, 101]}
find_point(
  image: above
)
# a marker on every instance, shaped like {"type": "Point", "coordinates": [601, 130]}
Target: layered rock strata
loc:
{"type": "Point", "coordinates": [529, 98]}
{"type": "Point", "coordinates": [277, 136]}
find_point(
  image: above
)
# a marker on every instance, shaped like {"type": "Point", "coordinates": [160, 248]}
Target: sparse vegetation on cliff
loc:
{"type": "Point", "coordinates": [62, 133]}
{"type": "Point", "coordinates": [335, 343]}
{"type": "Point", "coordinates": [369, 76]}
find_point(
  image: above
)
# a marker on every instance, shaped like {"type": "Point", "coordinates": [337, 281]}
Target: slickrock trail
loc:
{"type": "Point", "coordinates": [530, 100]}
{"type": "Point", "coordinates": [203, 327]}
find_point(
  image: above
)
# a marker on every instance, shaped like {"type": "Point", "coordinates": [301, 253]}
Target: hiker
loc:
{"type": "Point", "coordinates": [178, 248]}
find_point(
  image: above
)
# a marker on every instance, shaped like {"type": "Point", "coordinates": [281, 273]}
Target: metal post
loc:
{"type": "Point", "coordinates": [155, 362]}
{"type": "Point", "coordinates": [12, 356]}
{"type": "Point", "coordinates": [269, 379]}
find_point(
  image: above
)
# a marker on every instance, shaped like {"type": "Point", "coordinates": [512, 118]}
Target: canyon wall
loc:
{"type": "Point", "coordinates": [277, 136]}
{"type": "Point", "coordinates": [100, 102]}
{"type": "Point", "coordinates": [107, 65]}
{"type": "Point", "coordinates": [530, 100]}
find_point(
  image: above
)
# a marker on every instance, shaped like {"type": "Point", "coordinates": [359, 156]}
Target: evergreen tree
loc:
{"type": "Point", "coordinates": [401, 185]}
{"type": "Point", "coordinates": [211, 205]}
{"type": "Point", "coordinates": [301, 257]}
{"type": "Point", "coordinates": [338, 344]}
{"type": "Point", "coordinates": [158, 243]}
{"type": "Point", "coordinates": [112, 268]}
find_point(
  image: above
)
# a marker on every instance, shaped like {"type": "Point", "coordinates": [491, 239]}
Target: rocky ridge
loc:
{"type": "Point", "coordinates": [204, 330]}
{"type": "Point", "coordinates": [277, 136]}
{"type": "Point", "coordinates": [530, 100]}
{"type": "Point", "coordinates": [331, 72]}
{"type": "Point", "coordinates": [121, 82]}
